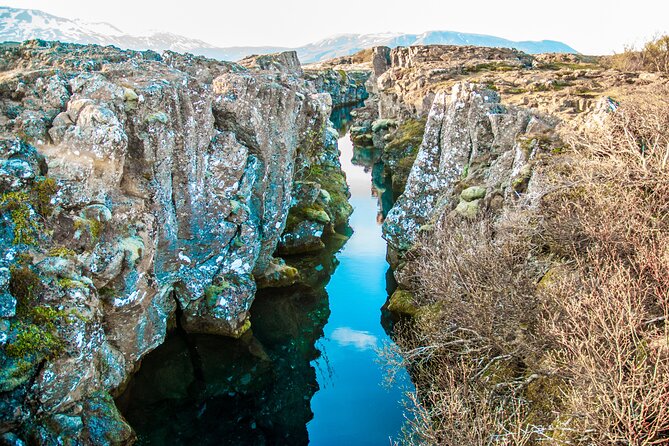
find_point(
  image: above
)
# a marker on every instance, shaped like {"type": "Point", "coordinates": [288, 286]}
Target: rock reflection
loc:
{"type": "Point", "coordinates": [206, 390]}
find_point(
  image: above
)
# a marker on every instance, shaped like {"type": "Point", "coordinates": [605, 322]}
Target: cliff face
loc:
{"type": "Point", "coordinates": [139, 184]}
{"type": "Point", "coordinates": [473, 146]}
{"type": "Point", "coordinates": [471, 120]}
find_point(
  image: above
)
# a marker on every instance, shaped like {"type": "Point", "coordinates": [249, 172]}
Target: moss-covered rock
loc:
{"type": "Point", "coordinates": [278, 275]}
{"type": "Point", "coordinates": [400, 151]}
{"type": "Point", "coordinates": [473, 193]}
{"type": "Point", "coordinates": [468, 209]}
{"type": "Point", "coordinates": [402, 302]}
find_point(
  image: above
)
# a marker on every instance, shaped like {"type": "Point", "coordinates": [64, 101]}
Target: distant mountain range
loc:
{"type": "Point", "coordinates": [22, 24]}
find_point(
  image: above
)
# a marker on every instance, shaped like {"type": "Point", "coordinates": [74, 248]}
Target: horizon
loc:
{"type": "Point", "coordinates": [599, 28]}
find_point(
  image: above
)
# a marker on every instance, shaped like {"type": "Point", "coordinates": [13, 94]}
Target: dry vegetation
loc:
{"type": "Point", "coordinates": [548, 324]}
{"type": "Point", "coordinates": [654, 56]}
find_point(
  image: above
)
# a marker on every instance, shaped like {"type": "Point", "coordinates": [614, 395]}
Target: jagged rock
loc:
{"type": "Point", "coordinates": [468, 135]}
{"type": "Point", "coordinates": [305, 237]}
{"type": "Point", "coordinates": [284, 62]}
{"type": "Point", "coordinates": [170, 179]}
{"type": "Point", "coordinates": [346, 87]}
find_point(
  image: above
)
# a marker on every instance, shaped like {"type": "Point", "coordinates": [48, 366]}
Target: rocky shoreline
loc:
{"type": "Point", "coordinates": [134, 185]}
{"type": "Point", "coordinates": [143, 191]}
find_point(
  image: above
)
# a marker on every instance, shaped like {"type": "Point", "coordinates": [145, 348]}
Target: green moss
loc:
{"type": "Point", "coordinates": [515, 91]}
{"type": "Point", "coordinates": [402, 302]}
{"type": "Point", "coordinates": [490, 66]}
{"type": "Point", "coordinates": [61, 251]}
{"type": "Point", "coordinates": [408, 137]}
{"type": "Point", "coordinates": [26, 227]}
{"type": "Point", "coordinates": [25, 286]}
{"type": "Point", "coordinates": [213, 291]}
{"type": "Point", "coordinates": [246, 326]}
{"type": "Point", "coordinates": [465, 172]}
{"type": "Point", "coordinates": [25, 208]}
{"type": "Point", "coordinates": [47, 317]}
{"type": "Point", "coordinates": [43, 191]}
{"type": "Point", "coordinates": [334, 183]}
{"type": "Point", "coordinates": [568, 66]}
{"type": "Point", "coordinates": [401, 151]}
{"type": "Point", "coordinates": [92, 226]}
{"type": "Point", "coordinates": [343, 75]}
{"type": "Point", "coordinates": [96, 228]}
{"type": "Point", "coordinates": [31, 340]}
{"type": "Point", "coordinates": [70, 284]}
{"type": "Point", "coordinates": [298, 214]}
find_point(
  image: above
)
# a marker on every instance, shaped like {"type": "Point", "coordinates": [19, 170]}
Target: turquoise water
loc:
{"type": "Point", "coordinates": [352, 406]}
{"type": "Point", "coordinates": [308, 371]}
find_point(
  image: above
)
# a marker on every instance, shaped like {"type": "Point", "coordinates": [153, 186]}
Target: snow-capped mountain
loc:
{"type": "Point", "coordinates": [346, 44]}
{"type": "Point", "coordinates": [22, 24]}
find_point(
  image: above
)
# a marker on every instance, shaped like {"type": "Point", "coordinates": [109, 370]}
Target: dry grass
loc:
{"type": "Point", "coordinates": [654, 56]}
{"type": "Point", "coordinates": [580, 356]}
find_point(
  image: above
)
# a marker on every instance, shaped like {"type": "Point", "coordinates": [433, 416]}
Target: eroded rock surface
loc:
{"type": "Point", "coordinates": [469, 138]}
{"type": "Point", "coordinates": [133, 184]}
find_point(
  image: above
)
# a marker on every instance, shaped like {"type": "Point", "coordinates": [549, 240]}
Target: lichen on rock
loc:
{"type": "Point", "coordinates": [133, 184]}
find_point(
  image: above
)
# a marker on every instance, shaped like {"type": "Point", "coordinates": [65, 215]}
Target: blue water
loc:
{"type": "Point", "coordinates": [308, 370]}
{"type": "Point", "coordinates": [353, 407]}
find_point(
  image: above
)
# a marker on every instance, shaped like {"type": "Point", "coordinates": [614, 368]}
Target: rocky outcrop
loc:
{"type": "Point", "coordinates": [133, 184]}
{"type": "Point", "coordinates": [285, 62]}
{"type": "Point", "coordinates": [475, 153]}
{"type": "Point", "coordinates": [481, 109]}
{"type": "Point", "coordinates": [346, 87]}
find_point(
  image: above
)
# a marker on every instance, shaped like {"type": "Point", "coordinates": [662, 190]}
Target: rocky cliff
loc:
{"type": "Point", "coordinates": [452, 119]}
{"type": "Point", "coordinates": [139, 191]}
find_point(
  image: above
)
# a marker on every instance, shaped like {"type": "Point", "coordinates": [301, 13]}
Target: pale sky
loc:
{"type": "Point", "coordinates": [590, 26]}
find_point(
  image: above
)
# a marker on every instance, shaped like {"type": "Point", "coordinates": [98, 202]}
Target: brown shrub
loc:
{"type": "Point", "coordinates": [654, 56]}
{"type": "Point", "coordinates": [501, 355]}
{"type": "Point", "coordinates": [609, 319]}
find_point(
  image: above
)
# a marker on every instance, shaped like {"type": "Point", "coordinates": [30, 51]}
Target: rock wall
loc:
{"type": "Point", "coordinates": [135, 189]}
{"type": "Point", "coordinates": [346, 87]}
{"type": "Point", "coordinates": [475, 154]}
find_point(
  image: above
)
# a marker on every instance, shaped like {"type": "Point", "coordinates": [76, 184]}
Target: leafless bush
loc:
{"type": "Point", "coordinates": [654, 56]}
{"type": "Point", "coordinates": [609, 326]}
{"type": "Point", "coordinates": [592, 331]}
{"type": "Point", "coordinates": [479, 276]}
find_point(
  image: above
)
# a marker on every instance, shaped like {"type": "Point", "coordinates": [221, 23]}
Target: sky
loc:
{"type": "Point", "coordinates": [589, 26]}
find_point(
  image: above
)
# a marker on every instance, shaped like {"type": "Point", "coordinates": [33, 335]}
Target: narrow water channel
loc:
{"type": "Point", "coordinates": [308, 372]}
{"type": "Point", "coordinates": [352, 406]}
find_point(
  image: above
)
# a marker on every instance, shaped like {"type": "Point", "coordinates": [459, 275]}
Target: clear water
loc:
{"type": "Point", "coordinates": [352, 406]}
{"type": "Point", "coordinates": [308, 372]}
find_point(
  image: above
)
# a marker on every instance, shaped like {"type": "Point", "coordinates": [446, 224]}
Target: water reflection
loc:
{"type": "Point", "coordinates": [361, 340]}
{"type": "Point", "coordinates": [307, 371]}
{"type": "Point", "coordinates": [352, 405]}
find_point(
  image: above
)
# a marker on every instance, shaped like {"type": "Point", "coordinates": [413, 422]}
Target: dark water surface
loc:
{"type": "Point", "coordinates": [307, 372]}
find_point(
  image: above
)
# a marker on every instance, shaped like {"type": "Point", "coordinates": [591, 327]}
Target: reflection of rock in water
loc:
{"type": "Point", "coordinates": [370, 158]}
{"type": "Point", "coordinates": [198, 389]}
{"type": "Point", "coordinates": [341, 116]}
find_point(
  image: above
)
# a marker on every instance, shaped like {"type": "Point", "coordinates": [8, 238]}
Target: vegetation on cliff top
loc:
{"type": "Point", "coordinates": [550, 324]}
{"type": "Point", "coordinates": [654, 56]}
